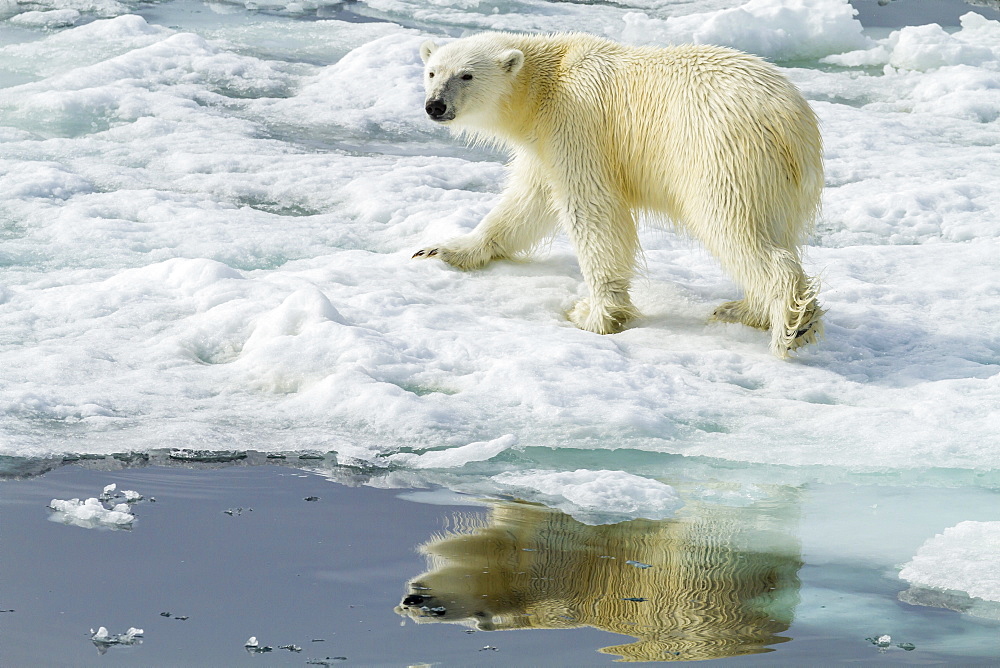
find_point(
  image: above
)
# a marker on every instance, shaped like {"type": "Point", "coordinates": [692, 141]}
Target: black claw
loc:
{"type": "Point", "coordinates": [432, 252]}
{"type": "Point", "coordinates": [417, 254]}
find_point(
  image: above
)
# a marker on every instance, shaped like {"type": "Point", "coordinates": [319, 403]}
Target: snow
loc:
{"type": "Point", "coordinates": [53, 18]}
{"type": "Point", "coordinates": [789, 30]}
{"type": "Point", "coordinates": [962, 558]}
{"type": "Point", "coordinates": [208, 218]}
{"type": "Point", "coordinates": [14, 9]}
{"type": "Point", "coordinates": [928, 47]}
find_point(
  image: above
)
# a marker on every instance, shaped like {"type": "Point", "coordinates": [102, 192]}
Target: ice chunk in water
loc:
{"type": "Point", "coordinates": [253, 646]}
{"type": "Point", "coordinates": [91, 514]}
{"type": "Point", "coordinates": [97, 512]}
{"type": "Point", "coordinates": [130, 637]}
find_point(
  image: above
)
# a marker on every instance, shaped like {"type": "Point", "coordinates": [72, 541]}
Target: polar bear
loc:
{"type": "Point", "coordinates": [713, 140]}
{"type": "Point", "coordinates": [706, 585]}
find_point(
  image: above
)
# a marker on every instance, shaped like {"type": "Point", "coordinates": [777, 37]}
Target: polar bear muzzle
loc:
{"type": "Point", "coordinates": [438, 110]}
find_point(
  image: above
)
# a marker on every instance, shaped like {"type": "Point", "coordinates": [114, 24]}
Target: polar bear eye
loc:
{"type": "Point", "coordinates": [430, 75]}
{"type": "Point", "coordinates": [466, 77]}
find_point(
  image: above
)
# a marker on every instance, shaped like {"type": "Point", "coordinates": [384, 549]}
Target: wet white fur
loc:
{"type": "Point", "coordinates": [716, 141]}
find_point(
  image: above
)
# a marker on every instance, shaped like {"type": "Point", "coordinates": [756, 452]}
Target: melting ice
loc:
{"type": "Point", "coordinates": [100, 512]}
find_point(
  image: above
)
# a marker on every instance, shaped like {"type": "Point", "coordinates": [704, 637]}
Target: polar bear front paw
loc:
{"type": "Point", "coordinates": [461, 253]}
{"type": "Point", "coordinates": [608, 319]}
{"type": "Point", "coordinates": [740, 312]}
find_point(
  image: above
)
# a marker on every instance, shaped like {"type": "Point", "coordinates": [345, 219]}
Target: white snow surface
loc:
{"type": "Point", "coordinates": [206, 231]}
{"type": "Point", "coordinates": [962, 558]}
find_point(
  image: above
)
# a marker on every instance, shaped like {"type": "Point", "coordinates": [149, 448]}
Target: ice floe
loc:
{"type": "Point", "coordinates": [965, 558]}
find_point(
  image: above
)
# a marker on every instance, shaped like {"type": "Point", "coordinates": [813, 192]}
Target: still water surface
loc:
{"type": "Point", "coordinates": [319, 557]}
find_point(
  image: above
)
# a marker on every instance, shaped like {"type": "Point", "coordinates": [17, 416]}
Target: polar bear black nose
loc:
{"type": "Point", "coordinates": [415, 599]}
{"type": "Point", "coordinates": [435, 108]}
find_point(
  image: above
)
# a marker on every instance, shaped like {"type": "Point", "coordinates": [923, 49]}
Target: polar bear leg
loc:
{"type": "Point", "coordinates": [779, 297]}
{"type": "Point", "coordinates": [523, 217]}
{"type": "Point", "coordinates": [606, 243]}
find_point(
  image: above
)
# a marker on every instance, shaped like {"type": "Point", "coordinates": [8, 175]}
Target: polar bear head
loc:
{"type": "Point", "coordinates": [454, 604]}
{"type": "Point", "coordinates": [466, 80]}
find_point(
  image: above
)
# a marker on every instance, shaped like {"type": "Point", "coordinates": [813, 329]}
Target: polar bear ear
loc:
{"type": "Point", "coordinates": [426, 49]}
{"type": "Point", "coordinates": [511, 61]}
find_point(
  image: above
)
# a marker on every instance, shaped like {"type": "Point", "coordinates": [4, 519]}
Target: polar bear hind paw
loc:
{"type": "Point", "coordinates": [806, 330]}
{"type": "Point", "coordinates": [810, 333]}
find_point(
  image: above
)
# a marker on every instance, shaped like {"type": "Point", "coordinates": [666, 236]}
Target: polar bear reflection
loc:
{"type": "Point", "coordinates": [717, 584]}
